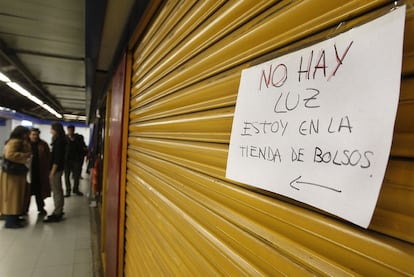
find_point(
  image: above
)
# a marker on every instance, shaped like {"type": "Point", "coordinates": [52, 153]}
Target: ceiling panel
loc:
{"type": "Point", "coordinates": [43, 21]}
{"type": "Point", "coordinates": [43, 47]}
{"type": "Point", "coordinates": [73, 107]}
{"type": "Point", "coordinates": [23, 44]}
{"type": "Point", "coordinates": [55, 70]}
{"type": "Point", "coordinates": [46, 39]}
{"type": "Point", "coordinates": [66, 92]}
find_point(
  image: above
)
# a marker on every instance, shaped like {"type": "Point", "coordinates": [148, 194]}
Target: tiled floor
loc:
{"type": "Point", "coordinates": [49, 249]}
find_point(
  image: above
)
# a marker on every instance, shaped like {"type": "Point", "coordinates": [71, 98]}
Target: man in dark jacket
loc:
{"type": "Point", "coordinates": [39, 174]}
{"type": "Point", "coordinates": [75, 153]}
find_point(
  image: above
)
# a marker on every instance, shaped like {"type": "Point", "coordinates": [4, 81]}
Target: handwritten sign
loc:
{"type": "Point", "coordinates": [316, 125]}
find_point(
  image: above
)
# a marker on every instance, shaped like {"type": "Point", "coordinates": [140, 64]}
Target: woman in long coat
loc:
{"type": "Point", "coordinates": [14, 188]}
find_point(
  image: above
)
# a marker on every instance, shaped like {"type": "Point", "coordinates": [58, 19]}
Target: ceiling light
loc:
{"type": "Point", "coordinates": [27, 123]}
{"type": "Point", "coordinates": [4, 78]}
{"type": "Point", "coordinates": [7, 109]}
{"type": "Point", "coordinates": [33, 98]}
{"type": "Point", "coordinates": [18, 88]}
{"type": "Point", "coordinates": [52, 111]}
{"type": "Point", "coordinates": [69, 116]}
{"type": "Point", "coordinates": [74, 117]}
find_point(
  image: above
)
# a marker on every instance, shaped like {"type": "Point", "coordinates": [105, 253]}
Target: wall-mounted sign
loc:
{"type": "Point", "coordinates": [316, 125]}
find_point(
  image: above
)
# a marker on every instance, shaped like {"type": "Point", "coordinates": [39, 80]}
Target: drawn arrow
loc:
{"type": "Point", "coordinates": [296, 181]}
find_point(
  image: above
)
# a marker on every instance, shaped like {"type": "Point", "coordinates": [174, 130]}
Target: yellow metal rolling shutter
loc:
{"type": "Point", "coordinates": [182, 216]}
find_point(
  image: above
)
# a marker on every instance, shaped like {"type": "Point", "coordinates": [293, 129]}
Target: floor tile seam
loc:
{"type": "Point", "coordinates": [54, 265]}
{"type": "Point", "coordinates": [76, 252]}
{"type": "Point", "coordinates": [54, 262]}
{"type": "Point", "coordinates": [8, 272]}
{"type": "Point", "coordinates": [5, 252]}
{"type": "Point", "coordinates": [39, 271]}
{"type": "Point", "coordinates": [24, 268]}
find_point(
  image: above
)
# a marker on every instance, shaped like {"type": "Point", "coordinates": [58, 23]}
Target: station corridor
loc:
{"type": "Point", "coordinates": [41, 249]}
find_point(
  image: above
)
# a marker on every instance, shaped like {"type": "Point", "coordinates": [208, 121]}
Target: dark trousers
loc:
{"type": "Point", "coordinates": [39, 202]}
{"type": "Point", "coordinates": [74, 168]}
{"type": "Point", "coordinates": [36, 191]}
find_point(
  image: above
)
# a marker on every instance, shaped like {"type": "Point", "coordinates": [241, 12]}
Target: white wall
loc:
{"type": "Point", "coordinates": [46, 136]}
{"type": "Point", "coordinates": [4, 134]}
{"type": "Point", "coordinates": [44, 131]}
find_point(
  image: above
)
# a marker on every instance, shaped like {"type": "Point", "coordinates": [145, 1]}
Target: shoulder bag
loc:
{"type": "Point", "coordinates": [13, 168]}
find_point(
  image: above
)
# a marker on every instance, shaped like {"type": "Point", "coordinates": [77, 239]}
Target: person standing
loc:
{"type": "Point", "coordinates": [75, 154]}
{"type": "Point", "coordinates": [39, 185]}
{"type": "Point", "coordinates": [57, 165]}
{"type": "Point", "coordinates": [14, 187]}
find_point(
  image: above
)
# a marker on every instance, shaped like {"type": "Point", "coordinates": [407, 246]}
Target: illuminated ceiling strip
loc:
{"type": "Point", "coordinates": [18, 88]}
{"type": "Point", "coordinates": [75, 117]}
{"type": "Point", "coordinates": [27, 94]}
{"type": "Point", "coordinates": [4, 78]}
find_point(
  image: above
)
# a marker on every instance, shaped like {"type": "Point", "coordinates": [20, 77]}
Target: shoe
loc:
{"type": "Point", "coordinates": [78, 193]}
{"type": "Point", "coordinates": [14, 225]}
{"type": "Point", "coordinates": [53, 218]}
{"type": "Point", "coordinates": [67, 194]}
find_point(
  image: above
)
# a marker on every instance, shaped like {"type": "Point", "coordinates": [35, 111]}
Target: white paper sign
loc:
{"type": "Point", "coordinates": [316, 125]}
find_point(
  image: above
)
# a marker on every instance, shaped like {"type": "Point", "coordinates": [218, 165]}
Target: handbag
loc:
{"type": "Point", "coordinates": [13, 168]}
